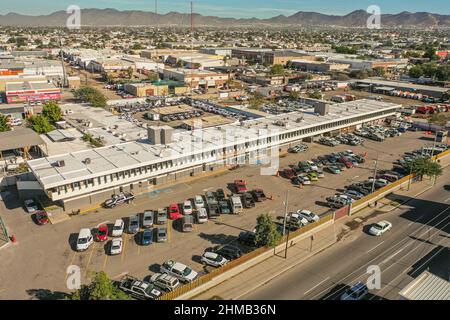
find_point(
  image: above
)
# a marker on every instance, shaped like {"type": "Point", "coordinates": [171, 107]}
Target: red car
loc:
{"type": "Point", "coordinates": [174, 212]}
{"type": "Point", "coordinates": [102, 233]}
{"type": "Point", "coordinates": [241, 186]}
{"type": "Point", "coordinates": [289, 173]}
{"type": "Point", "coordinates": [42, 218]}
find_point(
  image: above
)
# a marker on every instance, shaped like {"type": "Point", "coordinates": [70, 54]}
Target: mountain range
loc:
{"type": "Point", "coordinates": [113, 17]}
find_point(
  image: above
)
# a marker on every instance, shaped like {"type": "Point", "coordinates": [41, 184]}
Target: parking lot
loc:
{"type": "Point", "coordinates": [36, 265]}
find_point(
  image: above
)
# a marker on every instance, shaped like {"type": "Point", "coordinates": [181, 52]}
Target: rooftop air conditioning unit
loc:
{"type": "Point", "coordinates": [60, 163]}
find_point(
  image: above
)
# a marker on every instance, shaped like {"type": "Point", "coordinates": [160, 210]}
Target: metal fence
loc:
{"type": "Point", "coordinates": [245, 258]}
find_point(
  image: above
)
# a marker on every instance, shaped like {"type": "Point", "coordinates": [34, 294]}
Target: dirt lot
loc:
{"type": "Point", "coordinates": [35, 267]}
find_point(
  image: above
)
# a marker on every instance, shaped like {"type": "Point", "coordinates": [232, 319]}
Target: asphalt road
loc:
{"type": "Point", "coordinates": [419, 240]}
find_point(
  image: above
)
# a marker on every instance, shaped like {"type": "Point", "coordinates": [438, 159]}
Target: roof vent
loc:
{"type": "Point", "coordinates": [60, 163]}
{"type": "Point", "coordinates": [87, 161]}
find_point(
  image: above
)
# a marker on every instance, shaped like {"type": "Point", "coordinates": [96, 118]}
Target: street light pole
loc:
{"type": "Point", "coordinates": [287, 237]}
{"type": "Point", "coordinates": [285, 212]}
{"type": "Point", "coordinates": [375, 172]}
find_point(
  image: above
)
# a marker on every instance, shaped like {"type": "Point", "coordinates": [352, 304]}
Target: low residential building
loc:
{"type": "Point", "coordinates": [85, 178]}
{"type": "Point", "coordinates": [19, 92]}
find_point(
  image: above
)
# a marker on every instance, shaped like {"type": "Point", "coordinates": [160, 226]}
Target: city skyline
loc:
{"type": "Point", "coordinates": [249, 9]}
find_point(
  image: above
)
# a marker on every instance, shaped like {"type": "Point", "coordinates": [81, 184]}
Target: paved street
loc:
{"type": "Point", "coordinates": [40, 257]}
{"type": "Point", "coordinates": [419, 240]}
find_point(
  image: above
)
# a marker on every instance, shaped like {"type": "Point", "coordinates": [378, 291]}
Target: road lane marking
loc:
{"type": "Point", "coordinates": [403, 242]}
{"type": "Point", "coordinates": [105, 262]}
{"type": "Point", "coordinates": [375, 247]}
{"type": "Point", "coordinates": [393, 255]}
{"type": "Point", "coordinates": [316, 286]}
{"type": "Point", "coordinates": [90, 256]}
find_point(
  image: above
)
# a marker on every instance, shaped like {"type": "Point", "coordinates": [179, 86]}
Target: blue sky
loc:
{"type": "Point", "coordinates": [231, 8]}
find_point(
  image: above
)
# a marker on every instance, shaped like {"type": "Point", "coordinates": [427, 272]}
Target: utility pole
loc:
{"type": "Point", "coordinates": [62, 63]}
{"type": "Point", "coordinates": [287, 238]}
{"type": "Point", "coordinates": [285, 212]}
{"type": "Point", "coordinates": [375, 172]}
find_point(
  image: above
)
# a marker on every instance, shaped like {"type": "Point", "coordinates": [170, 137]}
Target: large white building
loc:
{"type": "Point", "coordinates": [85, 178]}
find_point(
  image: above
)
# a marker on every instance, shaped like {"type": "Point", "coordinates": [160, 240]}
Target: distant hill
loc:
{"type": "Point", "coordinates": [113, 17]}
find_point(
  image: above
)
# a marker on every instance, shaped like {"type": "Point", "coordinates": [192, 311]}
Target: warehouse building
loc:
{"type": "Point", "coordinates": [31, 91]}
{"type": "Point", "coordinates": [374, 85]}
{"type": "Point", "coordinates": [196, 78]}
{"type": "Point", "coordinates": [85, 178]}
{"type": "Point", "coordinates": [317, 66]}
{"type": "Point", "coordinates": [270, 57]}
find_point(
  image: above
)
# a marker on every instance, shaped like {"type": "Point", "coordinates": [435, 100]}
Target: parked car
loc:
{"type": "Point", "coordinates": [147, 237]}
{"type": "Point", "coordinates": [179, 270]}
{"type": "Point", "coordinates": [199, 202]}
{"type": "Point", "coordinates": [247, 238]}
{"type": "Point", "coordinates": [187, 223]}
{"type": "Point", "coordinates": [248, 201]}
{"type": "Point", "coordinates": [161, 234]}
{"type": "Point", "coordinates": [356, 292]}
{"type": "Point", "coordinates": [115, 246]}
{"type": "Point", "coordinates": [161, 216]}
{"type": "Point", "coordinates": [187, 207]}
{"type": "Point", "coordinates": [174, 212]}
{"type": "Point", "coordinates": [102, 233]}
{"type": "Point", "coordinates": [220, 194]}
{"type": "Point", "coordinates": [41, 218]}
{"type": "Point", "coordinates": [133, 225]}
{"type": "Point", "coordinates": [85, 239]}
{"type": "Point", "coordinates": [30, 206]}
{"type": "Point", "coordinates": [165, 281]}
{"type": "Point", "coordinates": [236, 205]}
{"type": "Point", "coordinates": [118, 227]}
{"type": "Point", "coordinates": [380, 227]}
{"type": "Point", "coordinates": [148, 219]}
{"type": "Point", "coordinates": [202, 215]}
{"type": "Point", "coordinates": [228, 251]}
{"type": "Point", "coordinates": [354, 194]}
{"type": "Point", "coordinates": [308, 215]}
{"type": "Point", "coordinates": [224, 207]}
{"type": "Point", "coordinates": [241, 186]}
{"type": "Point", "coordinates": [119, 199]}
{"type": "Point", "coordinates": [259, 195]}
{"type": "Point", "coordinates": [296, 219]}
{"type": "Point", "coordinates": [213, 259]}
{"type": "Point", "coordinates": [140, 290]}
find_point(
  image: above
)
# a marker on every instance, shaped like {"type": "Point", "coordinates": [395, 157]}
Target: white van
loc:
{"type": "Point", "coordinates": [85, 239]}
{"type": "Point", "coordinates": [117, 230]}
{"type": "Point", "coordinates": [236, 205]}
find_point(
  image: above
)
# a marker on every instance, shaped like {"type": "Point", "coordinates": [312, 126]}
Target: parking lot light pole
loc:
{"type": "Point", "coordinates": [375, 173]}
{"type": "Point", "coordinates": [285, 212]}
{"type": "Point", "coordinates": [287, 238]}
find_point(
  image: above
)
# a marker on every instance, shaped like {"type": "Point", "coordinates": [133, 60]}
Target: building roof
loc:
{"type": "Point", "coordinates": [134, 154]}
{"type": "Point", "coordinates": [30, 85]}
{"type": "Point", "coordinates": [427, 286]}
{"type": "Point", "coordinates": [397, 84]}
{"type": "Point", "coordinates": [19, 138]}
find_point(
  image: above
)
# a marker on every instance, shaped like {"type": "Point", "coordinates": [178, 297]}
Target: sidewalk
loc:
{"type": "Point", "coordinates": [257, 276]}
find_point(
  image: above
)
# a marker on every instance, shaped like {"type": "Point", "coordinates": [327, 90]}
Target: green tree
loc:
{"type": "Point", "coordinates": [52, 111]}
{"type": "Point", "coordinates": [416, 72]}
{"type": "Point", "coordinates": [256, 100]}
{"type": "Point", "coordinates": [40, 124]}
{"type": "Point", "coordinates": [379, 72]}
{"type": "Point", "coordinates": [100, 288]}
{"type": "Point", "coordinates": [277, 70]}
{"type": "Point", "coordinates": [266, 232]}
{"type": "Point", "coordinates": [4, 123]}
{"type": "Point", "coordinates": [294, 95]}
{"type": "Point", "coordinates": [91, 95]}
{"type": "Point", "coordinates": [425, 167]}
{"type": "Point", "coordinates": [315, 95]}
